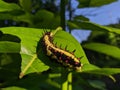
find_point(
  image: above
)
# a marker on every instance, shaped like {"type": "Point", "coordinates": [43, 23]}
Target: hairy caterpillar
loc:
{"type": "Point", "coordinates": [61, 55]}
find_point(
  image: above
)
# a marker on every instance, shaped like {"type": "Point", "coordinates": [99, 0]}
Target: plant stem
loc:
{"type": "Point", "coordinates": [66, 78]}
{"type": "Point", "coordinates": [70, 81]}
{"type": "Point", "coordinates": [70, 12]}
{"type": "Point", "coordinates": [64, 81]}
{"type": "Point", "coordinates": [62, 12]}
{"type": "Point", "coordinates": [65, 85]}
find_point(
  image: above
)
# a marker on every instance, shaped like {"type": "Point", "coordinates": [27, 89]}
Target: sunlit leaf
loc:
{"type": "Point", "coordinates": [29, 39]}
{"type": "Point", "coordinates": [64, 39]}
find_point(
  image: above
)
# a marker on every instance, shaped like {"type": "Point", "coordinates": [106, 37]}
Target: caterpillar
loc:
{"type": "Point", "coordinates": [61, 55]}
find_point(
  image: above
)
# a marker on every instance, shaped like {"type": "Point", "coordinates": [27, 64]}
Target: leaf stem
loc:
{"type": "Point", "coordinates": [70, 81]}
{"type": "Point", "coordinates": [27, 66]}
{"type": "Point", "coordinates": [65, 85]}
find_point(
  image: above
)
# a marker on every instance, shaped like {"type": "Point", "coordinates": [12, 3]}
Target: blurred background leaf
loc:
{"type": "Point", "coordinates": [93, 3]}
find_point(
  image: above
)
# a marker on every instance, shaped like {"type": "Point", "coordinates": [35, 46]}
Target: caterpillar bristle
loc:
{"type": "Point", "coordinates": [80, 58]}
{"type": "Point", "coordinates": [55, 43]}
{"type": "Point", "coordinates": [43, 33]}
{"type": "Point", "coordinates": [74, 51]}
{"type": "Point", "coordinates": [60, 45]}
{"type": "Point", "coordinates": [66, 47]}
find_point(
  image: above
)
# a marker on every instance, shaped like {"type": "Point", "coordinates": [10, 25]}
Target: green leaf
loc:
{"type": "Point", "coordinates": [104, 48]}
{"type": "Point", "coordinates": [10, 64]}
{"type": "Point", "coordinates": [46, 19]}
{"type": "Point", "coordinates": [27, 18]}
{"type": "Point", "coordinates": [29, 39]}
{"type": "Point", "coordinates": [94, 3]}
{"type": "Point", "coordinates": [105, 71]}
{"type": "Point", "coordinates": [64, 39]}
{"type": "Point", "coordinates": [45, 15]}
{"type": "Point", "coordinates": [92, 69]}
{"type": "Point", "coordinates": [91, 26]}
{"type": "Point", "coordinates": [6, 16]}
{"type": "Point", "coordinates": [89, 67]}
{"type": "Point", "coordinates": [32, 64]}
{"type": "Point", "coordinates": [14, 15]}
{"type": "Point", "coordinates": [10, 59]}
{"type": "Point", "coordinates": [26, 5]}
{"type": "Point", "coordinates": [13, 88]}
{"type": "Point", "coordinates": [9, 10]}
{"type": "Point", "coordinates": [81, 18]}
{"type": "Point", "coordinates": [9, 47]}
{"type": "Point", "coordinates": [6, 7]}
{"type": "Point", "coordinates": [34, 81]}
{"type": "Point", "coordinates": [97, 84]}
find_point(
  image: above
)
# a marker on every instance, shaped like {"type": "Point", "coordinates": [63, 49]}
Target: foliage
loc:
{"type": "Point", "coordinates": [23, 64]}
{"type": "Point", "coordinates": [94, 3]}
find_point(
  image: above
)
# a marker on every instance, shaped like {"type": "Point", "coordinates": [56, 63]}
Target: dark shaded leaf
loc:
{"type": "Point", "coordinates": [9, 47]}
{"type": "Point", "coordinates": [6, 7]}
{"type": "Point", "coordinates": [81, 18]}
{"type": "Point", "coordinates": [26, 5]}
{"type": "Point", "coordinates": [104, 48]}
{"type": "Point", "coordinates": [92, 69]}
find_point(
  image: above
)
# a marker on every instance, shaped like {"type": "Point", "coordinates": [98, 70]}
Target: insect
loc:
{"type": "Point", "coordinates": [61, 55]}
